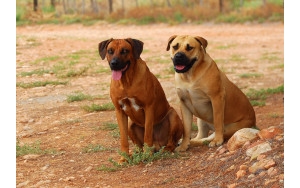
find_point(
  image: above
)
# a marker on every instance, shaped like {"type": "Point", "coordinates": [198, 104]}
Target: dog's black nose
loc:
{"type": "Point", "coordinates": [179, 55]}
{"type": "Point", "coordinates": [114, 62]}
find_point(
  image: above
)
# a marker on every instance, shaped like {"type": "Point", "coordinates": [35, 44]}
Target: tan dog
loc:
{"type": "Point", "coordinates": [136, 93]}
{"type": "Point", "coordinates": [205, 92]}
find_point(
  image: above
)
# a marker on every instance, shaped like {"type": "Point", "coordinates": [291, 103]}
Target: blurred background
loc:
{"type": "Point", "coordinates": [142, 12]}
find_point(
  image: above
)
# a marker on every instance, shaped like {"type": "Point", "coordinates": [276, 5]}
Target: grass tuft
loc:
{"type": "Point", "coordinates": [32, 149]}
{"type": "Point", "coordinates": [95, 107]}
{"type": "Point", "coordinates": [258, 97]}
{"type": "Point", "coordinates": [39, 84]}
{"type": "Point", "coordinates": [139, 156]}
{"type": "Point", "coordinates": [94, 148]}
{"type": "Point", "coordinates": [78, 97]}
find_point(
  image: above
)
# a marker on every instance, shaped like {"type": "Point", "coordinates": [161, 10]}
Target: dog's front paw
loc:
{"type": "Point", "coordinates": [215, 142]}
{"type": "Point", "coordinates": [181, 148]}
{"type": "Point", "coordinates": [122, 160]}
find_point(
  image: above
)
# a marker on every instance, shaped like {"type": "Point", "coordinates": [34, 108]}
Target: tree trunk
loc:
{"type": "Point", "coordinates": [110, 6]}
{"type": "Point", "coordinates": [83, 6]}
{"type": "Point", "coordinates": [53, 3]}
{"type": "Point", "coordinates": [168, 3]}
{"type": "Point", "coordinates": [35, 5]}
{"type": "Point", "coordinates": [136, 3]}
{"type": "Point", "coordinates": [221, 5]}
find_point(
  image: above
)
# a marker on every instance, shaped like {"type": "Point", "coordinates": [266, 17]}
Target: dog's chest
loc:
{"type": "Point", "coordinates": [129, 104]}
{"type": "Point", "coordinates": [196, 101]}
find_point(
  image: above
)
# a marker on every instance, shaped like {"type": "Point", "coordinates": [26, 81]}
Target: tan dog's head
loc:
{"type": "Point", "coordinates": [185, 51]}
{"type": "Point", "coordinates": [120, 54]}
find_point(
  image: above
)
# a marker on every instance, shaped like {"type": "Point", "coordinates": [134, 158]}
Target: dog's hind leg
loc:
{"type": "Point", "coordinates": [203, 129]}
{"type": "Point", "coordinates": [175, 128]}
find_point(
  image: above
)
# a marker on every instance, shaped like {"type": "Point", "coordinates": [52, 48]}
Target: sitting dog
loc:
{"type": "Point", "coordinates": [136, 93]}
{"type": "Point", "coordinates": [205, 92]}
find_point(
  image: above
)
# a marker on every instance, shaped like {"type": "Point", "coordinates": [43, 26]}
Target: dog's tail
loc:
{"type": "Point", "coordinates": [202, 141]}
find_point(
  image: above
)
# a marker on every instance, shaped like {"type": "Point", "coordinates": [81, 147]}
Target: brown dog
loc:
{"type": "Point", "coordinates": [137, 94]}
{"type": "Point", "coordinates": [205, 92]}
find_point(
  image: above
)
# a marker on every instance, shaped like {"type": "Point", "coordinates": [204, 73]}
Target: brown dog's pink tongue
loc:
{"type": "Point", "coordinates": [116, 75]}
{"type": "Point", "coordinates": [179, 67]}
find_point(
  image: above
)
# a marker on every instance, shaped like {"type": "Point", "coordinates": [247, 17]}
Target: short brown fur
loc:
{"type": "Point", "coordinates": [139, 96]}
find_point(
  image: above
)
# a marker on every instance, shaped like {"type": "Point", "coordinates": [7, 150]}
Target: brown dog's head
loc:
{"type": "Point", "coordinates": [185, 51]}
{"type": "Point", "coordinates": [120, 54]}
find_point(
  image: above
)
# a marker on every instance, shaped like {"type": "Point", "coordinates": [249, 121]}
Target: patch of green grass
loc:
{"type": "Point", "coordinates": [78, 97]}
{"type": "Point", "coordinates": [139, 156]}
{"type": "Point", "coordinates": [236, 57]}
{"type": "Point", "coordinates": [275, 115]}
{"type": "Point", "coordinates": [32, 149]}
{"type": "Point", "coordinates": [37, 72]}
{"type": "Point", "coordinates": [102, 69]}
{"type": "Point", "coordinates": [194, 127]}
{"type": "Point", "coordinates": [270, 56]}
{"type": "Point", "coordinates": [113, 127]}
{"type": "Point", "coordinates": [250, 75]}
{"type": "Point", "coordinates": [280, 66]}
{"type": "Point", "coordinates": [110, 126]}
{"type": "Point", "coordinates": [94, 148]}
{"type": "Point", "coordinates": [45, 60]}
{"type": "Point", "coordinates": [258, 97]}
{"type": "Point", "coordinates": [95, 107]}
{"type": "Point", "coordinates": [74, 73]}
{"type": "Point", "coordinates": [39, 84]}
{"type": "Point", "coordinates": [33, 42]}
{"type": "Point", "coordinates": [206, 142]}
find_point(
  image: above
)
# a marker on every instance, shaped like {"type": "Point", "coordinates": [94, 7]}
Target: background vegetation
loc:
{"type": "Point", "coordinates": [147, 11]}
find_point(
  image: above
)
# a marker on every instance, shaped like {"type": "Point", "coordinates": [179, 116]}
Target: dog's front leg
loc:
{"type": "Point", "coordinates": [122, 119]}
{"type": "Point", "coordinates": [187, 118]}
{"type": "Point", "coordinates": [218, 104]}
{"type": "Point", "coordinates": [149, 125]}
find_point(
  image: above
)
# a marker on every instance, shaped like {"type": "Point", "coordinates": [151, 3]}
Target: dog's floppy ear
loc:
{"type": "Point", "coordinates": [203, 42]}
{"type": "Point", "coordinates": [137, 46]}
{"type": "Point", "coordinates": [102, 47]}
{"type": "Point", "coordinates": [170, 41]}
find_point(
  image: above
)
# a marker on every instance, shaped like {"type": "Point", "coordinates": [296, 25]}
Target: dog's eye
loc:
{"type": "Point", "coordinates": [188, 47]}
{"type": "Point", "coordinates": [176, 47]}
{"type": "Point", "coordinates": [110, 51]}
{"type": "Point", "coordinates": [124, 51]}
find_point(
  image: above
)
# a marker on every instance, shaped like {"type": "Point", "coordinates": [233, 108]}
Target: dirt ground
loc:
{"type": "Point", "coordinates": [44, 115]}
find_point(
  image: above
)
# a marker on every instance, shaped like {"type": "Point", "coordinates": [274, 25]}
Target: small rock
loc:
{"type": "Point", "coordinates": [45, 167]}
{"type": "Point", "coordinates": [26, 128]}
{"type": "Point", "coordinates": [270, 164]}
{"type": "Point", "coordinates": [88, 168]}
{"type": "Point", "coordinates": [233, 185]}
{"type": "Point", "coordinates": [255, 151]}
{"type": "Point", "coordinates": [31, 121]}
{"type": "Point", "coordinates": [23, 184]}
{"type": "Point", "coordinates": [269, 133]}
{"type": "Point", "coordinates": [259, 157]}
{"type": "Point", "coordinates": [30, 156]}
{"type": "Point", "coordinates": [232, 167]}
{"type": "Point", "coordinates": [241, 137]}
{"type": "Point", "coordinates": [240, 174]}
{"type": "Point", "coordinates": [257, 166]}
{"type": "Point", "coordinates": [272, 171]}
{"type": "Point", "coordinates": [69, 178]}
{"type": "Point", "coordinates": [42, 182]}
{"type": "Point", "coordinates": [243, 167]}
